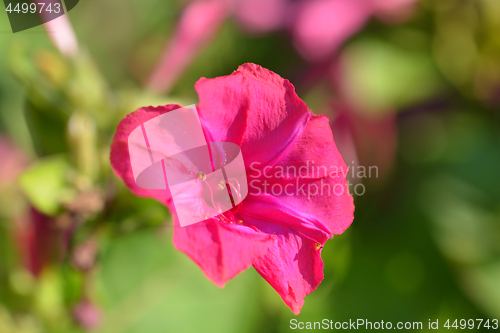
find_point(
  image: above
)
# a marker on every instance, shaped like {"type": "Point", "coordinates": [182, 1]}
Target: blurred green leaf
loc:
{"type": "Point", "coordinates": [380, 76]}
{"type": "Point", "coordinates": [49, 299]}
{"type": "Point", "coordinates": [150, 287]}
{"type": "Point", "coordinates": [45, 184]}
{"type": "Point", "coordinates": [47, 130]}
{"type": "Point", "coordinates": [481, 283]}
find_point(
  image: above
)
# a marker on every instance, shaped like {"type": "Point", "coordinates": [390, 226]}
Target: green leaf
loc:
{"type": "Point", "coordinates": [380, 76]}
{"type": "Point", "coordinates": [45, 184]}
{"type": "Point", "coordinates": [150, 287]}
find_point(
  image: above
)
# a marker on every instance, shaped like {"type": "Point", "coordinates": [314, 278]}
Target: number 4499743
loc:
{"type": "Point", "coordinates": [472, 324]}
{"type": "Point", "coordinates": [34, 8]}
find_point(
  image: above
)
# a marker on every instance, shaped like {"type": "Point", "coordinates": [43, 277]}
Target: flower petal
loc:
{"type": "Point", "coordinates": [197, 27]}
{"type": "Point", "coordinates": [61, 33]}
{"type": "Point", "coordinates": [254, 108]}
{"type": "Point", "coordinates": [261, 15]}
{"type": "Point", "coordinates": [276, 212]}
{"type": "Point", "coordinates": [221, 250]}
{"type": "Point", "coordinates": [293, 265]}
{"type": "Point", "coordinates": [322, 26]}
{"type": "Point", "coordinates": [314, 177]}
{"type": "Point", "coordinates": [120, 157]}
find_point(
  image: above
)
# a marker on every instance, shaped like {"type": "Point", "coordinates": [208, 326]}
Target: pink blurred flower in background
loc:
{"type": "Point", "coordinates": [62, 35]}
{"type": "Point", "coordinates": [363, 140]}
{"type": "Point", "coordinates": [321, 26]}
{"type": "Point", "coordinates": [30, 229]}
{"type": "Point", "coordinates": [60, 31]}
{"type": "Point", "coordinates": [261, 16]}
{"type": "Point", "coordinates": [318, 27]}
{"type": "Point", "coordinates": [36, 239]}
{"type": "Point", "coordinates": [281, 235]}
{"type": "Point", "coordinates": [196, 28]}
{"type": "Point", "coordinates": [14, 161]}
{"type": "Point", "coordinates": [87, 315]}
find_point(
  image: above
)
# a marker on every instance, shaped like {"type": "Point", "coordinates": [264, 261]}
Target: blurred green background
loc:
{"type": "Point", "coordinates": [417, 97]}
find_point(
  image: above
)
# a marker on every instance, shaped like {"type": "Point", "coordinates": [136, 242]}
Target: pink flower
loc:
{"type": "Point", "coordinates": [196, 28]}
{"type": "Point", "coordinates": [262, 15]}
{"type": "Point", "coordinates": [366, 140]}
{"type": "Point", "coordinates": [318, 27]}
{"type": "Point", "coordinates": [87, 315]}
{"type": "Point", "coordinates": [284, 222]}
{"type": "Point", "coordinates": [36, 240]}
{"type": "Point", "coordinates": [60, 30]}
{"type": "Point", "coordinates": [32, 232]}
{"type": "Point", "coordinates": [13, 162]}
{"type": "Point", "coordinates": [322, 26]}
